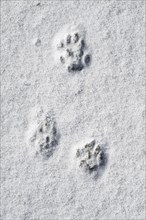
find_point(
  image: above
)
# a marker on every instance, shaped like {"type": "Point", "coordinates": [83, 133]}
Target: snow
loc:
{"type": "Point", "coordinates": [104, 101]}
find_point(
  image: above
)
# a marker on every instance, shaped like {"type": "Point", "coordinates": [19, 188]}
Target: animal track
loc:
{"type": "Point", "coordinates": [44, 137]}
{"type": "Point", "coordinates": [90, 156]}
{"type": "Point", "coordinates": [70, 48]}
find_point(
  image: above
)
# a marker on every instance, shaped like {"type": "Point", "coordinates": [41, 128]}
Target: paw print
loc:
{"type": "Point", "coordinates": [90, 156]}
{"type": "Point", "coordinates": [45, 137]}
{"type": "Point", "coordinates": [71, 50]}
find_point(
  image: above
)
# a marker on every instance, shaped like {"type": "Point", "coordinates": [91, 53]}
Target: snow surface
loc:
{"type": "Point", "coordinates": [104, 101]}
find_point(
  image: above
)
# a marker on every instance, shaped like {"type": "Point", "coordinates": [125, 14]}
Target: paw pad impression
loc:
{"type": "Point", "coordinates": [43, 135]}
{"type": "Point", "coordinates": [70, 48]}
{"type": "Point", "coordinates": [90, 156]}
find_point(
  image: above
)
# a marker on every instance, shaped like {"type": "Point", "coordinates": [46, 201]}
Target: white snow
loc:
{"type": "Point", "coordinates": [104, 101]}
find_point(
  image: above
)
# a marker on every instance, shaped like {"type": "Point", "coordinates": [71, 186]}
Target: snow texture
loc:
{"type": "Point", "coordinates": [104, 100]}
